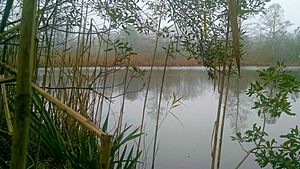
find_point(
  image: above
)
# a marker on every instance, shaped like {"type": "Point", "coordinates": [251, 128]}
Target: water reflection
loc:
{"type": "Point", "coordinates": [192, 84]}
{"type": "Point", "coordinates": [198, 114]}
{"type": "Point", "coordinates": [189, 146]}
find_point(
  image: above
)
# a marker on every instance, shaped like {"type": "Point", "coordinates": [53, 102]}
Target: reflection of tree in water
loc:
{"type": "Point", "coordinates": [238, 110]}
{"type": "Point", "coordinates": [270, 119]}
{"type": "Point", "coordinates": [239, 105]}
{"type": "Point", "coordinates": [188, 84]}
{"type": "Point", "coordinates": [152, 107]}
{"type": "Point", "coordinates": [295, 96]}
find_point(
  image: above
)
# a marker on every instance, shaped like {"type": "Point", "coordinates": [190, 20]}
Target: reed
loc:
{"type": "Point", "coordinates": [22, 115]}
{"type": "Point", "coordinates": [66, 121]}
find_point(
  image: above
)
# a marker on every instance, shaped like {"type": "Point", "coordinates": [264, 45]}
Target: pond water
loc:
{"type": "Point", "coordinates": [184, 137]}
{"type": "Point", "coordinates": [186, 144]}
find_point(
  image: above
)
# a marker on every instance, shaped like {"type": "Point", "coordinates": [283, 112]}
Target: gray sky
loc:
{"type": "Point", "coordinates": [291, 11]}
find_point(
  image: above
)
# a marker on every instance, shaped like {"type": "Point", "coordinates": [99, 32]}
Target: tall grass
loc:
{"type": "Point", "coordinates": [55, 138]}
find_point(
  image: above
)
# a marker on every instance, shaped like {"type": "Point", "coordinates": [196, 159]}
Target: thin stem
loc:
{"type": "Point", "coordinates": [148, 85]}
{"type": "Point", "coordinates": [158, 109]}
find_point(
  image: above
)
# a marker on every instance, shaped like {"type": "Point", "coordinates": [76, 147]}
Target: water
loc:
{"type": "Point", "coordinates": [185, 132]}
{"type": "Point", "coordinates": [188, 145]}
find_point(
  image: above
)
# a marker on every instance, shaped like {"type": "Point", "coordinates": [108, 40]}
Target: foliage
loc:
{"type": "Point", "coordinates": [5, 140]}
{"type": "Point", "coordinates": [127, 159]}
{"type": "Point", "coordinates": [45, 127]}
{"type": "Point", "coordinates": [284, 156]}
{"type": "Point", "coordinates": [79, 149]}
{"type": "Point", "coordinates": [83, 150]}
{"type": "Point", "coordinates": [201, 27]}
{"type": "Point", "coordinates": [271, 91]}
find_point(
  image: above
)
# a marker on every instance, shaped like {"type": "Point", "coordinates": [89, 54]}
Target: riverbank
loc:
{"type": "Point", "coordinates": [146, 61]}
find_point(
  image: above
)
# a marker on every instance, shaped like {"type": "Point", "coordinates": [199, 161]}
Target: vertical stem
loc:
{"type": "Point", "coordinates": [217, 122]}
{"type": "Point", "coordinates": [223, 120]}
{"type": "Point", "coordinates": [22, 114]}
{"type": "Point", "coordinates": [237, 103]}
{"type": "Point", "coordinates": [106, 144]}
{"type": "Point", "coordinates": [5, 107]}
{"type": "Point", "coordinates": [148, 86]}
{"type": "Point", "coordinates": [158, 109]}
{"type": "Point", "coordinates": [232, 7]}
{"type": "Point", "coordinates": [105, 77]}
{"type": "Point", "coordinates": [120, 120]}
{"type": "Point", "coordinates": [226, 94]}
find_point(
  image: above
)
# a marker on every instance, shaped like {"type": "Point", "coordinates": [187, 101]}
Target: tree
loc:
{"type": "Point", "coordinates": [297, 42]}
{"type": "Point", "coordinates": [274, 28]}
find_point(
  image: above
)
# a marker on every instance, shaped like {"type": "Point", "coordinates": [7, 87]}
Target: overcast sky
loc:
{"type": "Point", "coordinates": [291, 10]}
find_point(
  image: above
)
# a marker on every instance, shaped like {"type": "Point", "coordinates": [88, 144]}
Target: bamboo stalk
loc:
{"type": "Point", "coordinates": [232, 7]}
{"type": "Point", "coordinates": [226, 95]}
{"type": "Point", "coordinates": [104, 79]}
{"type": "Point", "coordinates": [22, 116]}
{"type": "Point", "coordinates": [6, 109]}
{"type": "Point", "coordinates": [8, 7]}
{"type": "Point", "coordinates": [217, 122]}
{"type": "Point", "coordinates": [223, 120]}
{"type": "Point", "coordinates": [106, 144]}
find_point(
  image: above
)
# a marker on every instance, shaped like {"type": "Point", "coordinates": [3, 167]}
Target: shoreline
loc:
{"type": "Point", "coordinates": [200, 67]}
{"type": "Point", "coordinates": [145, 61]}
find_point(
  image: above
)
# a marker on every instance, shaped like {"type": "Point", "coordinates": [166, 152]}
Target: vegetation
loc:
{"type": "Point", "coordinates": [271, 91]}
{"type": "Point", "coordinates": [271, 39]}
{"type": "Point", "coordinates": [63, 111]}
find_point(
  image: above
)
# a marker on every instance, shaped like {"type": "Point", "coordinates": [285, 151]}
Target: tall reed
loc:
{"type": "Point", "coordinates": [22, 116]}
{"type": "Point", "coordinates": [148, 84]}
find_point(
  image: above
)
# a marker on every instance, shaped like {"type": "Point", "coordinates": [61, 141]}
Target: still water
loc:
{"type": "Point", "coordinates": [186, 144]}
{"type": "Point", "coordinates": [185, 131]}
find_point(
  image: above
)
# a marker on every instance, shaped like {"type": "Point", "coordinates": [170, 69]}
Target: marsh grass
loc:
{"type": "Point", "coordinates": [56, 140]}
